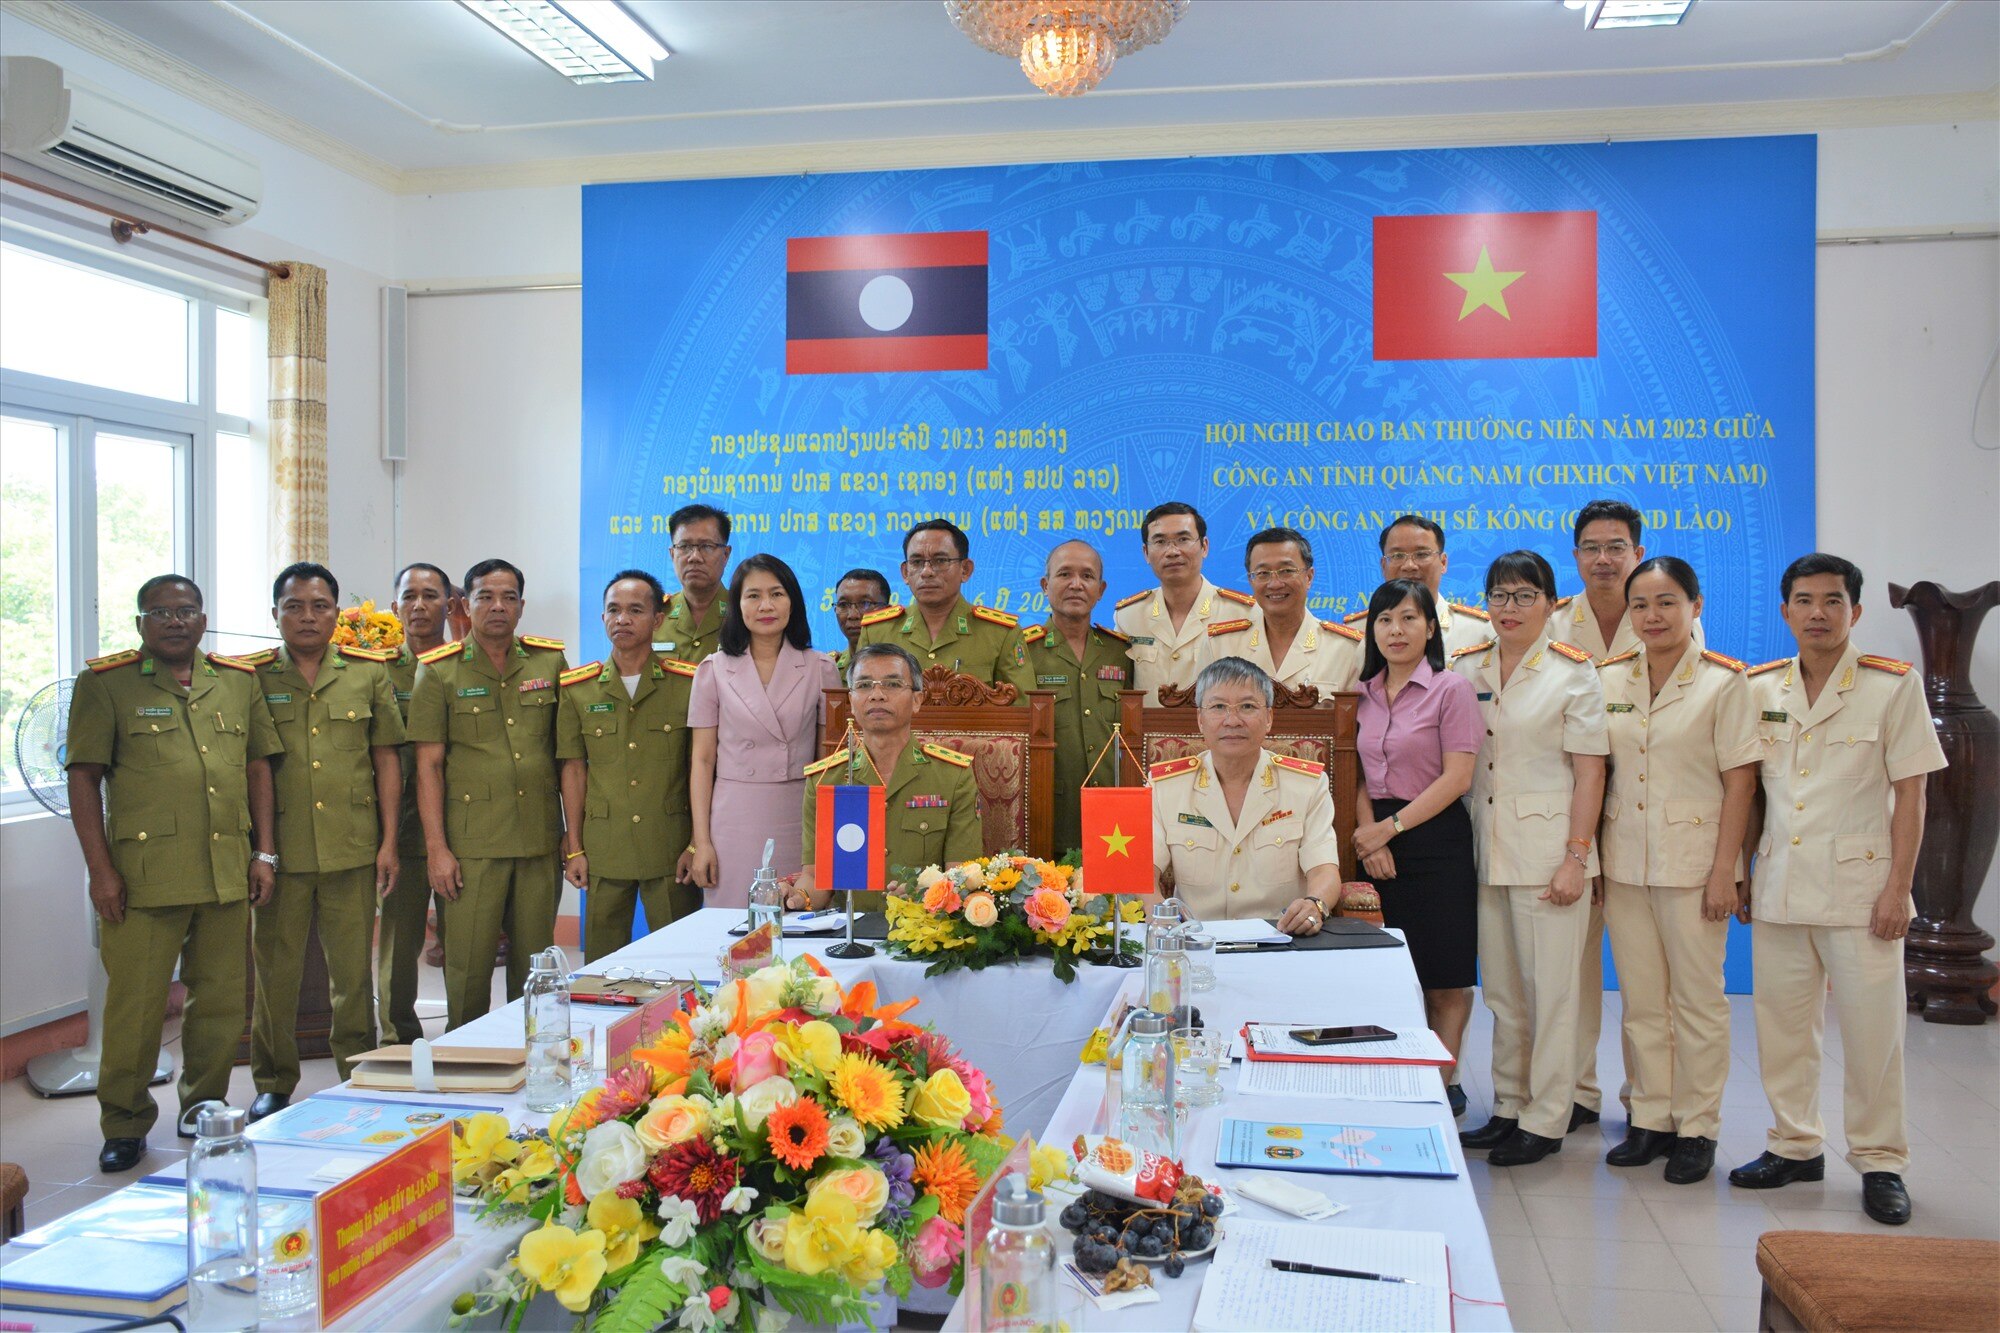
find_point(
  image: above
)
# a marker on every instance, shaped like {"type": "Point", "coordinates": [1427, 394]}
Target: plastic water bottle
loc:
{"type": "Point", "coordinates": [1146, 1115]}
{"type": "Point", "coordinates": [767, 902]}
{"type": "Point", "coordinates": [545, 1013]}
{"type": "Point", "coordinates": [222, 1223]}
{"type": "Point", "coordinates": [1166, 976]}
{"type": "Point", "coordinates": [1017, 1270]}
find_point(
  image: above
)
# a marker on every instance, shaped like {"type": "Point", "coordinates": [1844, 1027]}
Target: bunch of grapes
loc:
{"type": "Point", "coordinates": [1109, 1229]}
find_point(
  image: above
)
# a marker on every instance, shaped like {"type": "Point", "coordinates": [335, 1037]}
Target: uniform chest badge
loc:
{"type": "Point", "coordinates": [1052, 680]}
{"type": "Point", "coordinates": [1486, 696]}
{"type": "Point", "coordinates": [1199, 821]}
{"type": "Point", "coordinates": [156, 712]}
{"type": "Point", "coordinates": [473, 692]}
{"type": "Point", "coordinates": [602, 708]}
{"type": "Point", "coordinates": [1111, 673]}
{"type": "Point", "coordinates": [1274, 817]}
{"type": "Point", "coordinates": [537, 684]}
{"type": "Point", "coordinates": [1770, 716]}
{"type": "Point", "coordinates": [928, 802]}
{"type": "Point", "coordinates": [1621, 708]}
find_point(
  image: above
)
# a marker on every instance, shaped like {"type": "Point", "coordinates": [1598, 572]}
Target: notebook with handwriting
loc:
{"type": "Point", "coordinates": [1242, 1290]}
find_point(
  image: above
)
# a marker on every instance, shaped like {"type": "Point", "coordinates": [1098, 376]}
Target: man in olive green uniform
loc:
{"type": "Point", "coordinates": [941, 626]}
{"type": "Point", "coordinates": [700, 550]}
{"type": "Point", "coordinates": [483, 717]}
{"type": "Point", "coordinates": [338, 783]}
{"type": "Point", "coordinates": [423, 592]}
{"type": "Point", "coordinates": [622, 740]}
{"type": "Point", "coordinates": [932, 800]}
{"type": "Point", "coordinates": [1087, 666]}
{"type": "Point", "coordinates": [860, 592]}
{"type": "Point", "coordinates": [185, 743]}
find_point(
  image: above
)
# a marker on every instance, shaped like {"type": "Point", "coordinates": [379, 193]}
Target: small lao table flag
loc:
{"type": "Point", "coordinates": [851, 839]}
{"type": "Point", "coordinates": [1117, 839]}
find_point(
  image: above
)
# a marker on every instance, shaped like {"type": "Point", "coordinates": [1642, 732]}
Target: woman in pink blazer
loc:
{"type": "Point", "coordinates": [755, 713]}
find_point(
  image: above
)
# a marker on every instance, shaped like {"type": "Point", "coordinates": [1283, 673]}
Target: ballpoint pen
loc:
{"type": "Point", "coordinates": [1294, 1266]}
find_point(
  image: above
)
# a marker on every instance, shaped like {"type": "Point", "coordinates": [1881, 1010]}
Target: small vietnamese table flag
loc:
{"type": "Point", "coordinates": [851, 839]}
{"type": "Point", "coordinates": [1117, 839]}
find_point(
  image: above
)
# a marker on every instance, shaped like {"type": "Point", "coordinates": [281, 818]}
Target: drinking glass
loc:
{"type": "Point", "coordinates": [1199, 1053]}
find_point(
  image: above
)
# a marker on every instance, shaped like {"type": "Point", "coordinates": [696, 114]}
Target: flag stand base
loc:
{"type": "Point", "coordinates": [851, 949]}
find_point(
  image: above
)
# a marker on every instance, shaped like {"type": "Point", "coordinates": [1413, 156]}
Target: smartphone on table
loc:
{"type": "Point", "coordinates": [1341, 1036]}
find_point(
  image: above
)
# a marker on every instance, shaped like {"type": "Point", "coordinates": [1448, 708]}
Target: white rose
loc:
{"type": "Point", "coordinates": [761, 1099]}
{"type": "Point", "coordinates": [767, 1237]}
{"type": "Point", "coordinates": [727, 1047]}
{"type": "Point", "coordinates": [612, 1155]}
{"type": "Point", "coordinates": [709, 1023]}
{"type": "Point", "coordinates": [825, 995]}
{"type": "Point", "coordinates": [929, 876]}
{"type": "Point", "coordinates": [844, 1138]}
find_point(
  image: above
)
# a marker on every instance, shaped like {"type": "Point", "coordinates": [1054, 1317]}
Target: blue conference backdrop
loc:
{"type": "Point", "coordinates": [1491, 337]}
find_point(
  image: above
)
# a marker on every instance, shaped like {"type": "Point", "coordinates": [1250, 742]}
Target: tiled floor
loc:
{"type": "Point", "coordinates": [1579, 1244]}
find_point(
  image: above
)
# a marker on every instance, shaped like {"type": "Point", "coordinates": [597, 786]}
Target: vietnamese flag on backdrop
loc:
{"type": "Point", "coordinates": [851, 839]}
{"type": "Point", "coordinates": [1467, 286]}
{"type": "Point", "coordinates": [1117, 839]}
{"type": "Point", "coordinates": [904, 302]}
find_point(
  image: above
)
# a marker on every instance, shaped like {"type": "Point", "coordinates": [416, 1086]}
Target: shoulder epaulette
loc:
{"type": "Point", "coordinates": [1345, 631]}
{"type": "Point", "coordinates": [1240, 598]}
{"type": "Point", "coordinates": [1034, 634]}
{"type": "Point", "coordinates": [821, 765]}
{"type": "Point", "coordinates": [1721, 659]}
{"type": "Point", "coordinates": [1227, 627]}
{"type": "Point", "coordinates": [578, 675]}
{"type": "Point", "coordinates": [992, 617]}
{"type": "Point", "coordinates": [1476, 612]}
{"type": "Point", "coordinates": [115, 660]}
{"type": "Point", "coordinates": [678, 667]}
{"type": "Point", "coordinates": [1297, 765]}
{"type": "Point", "coordinates": [537, 641]}
{"type": "Point", "coordinates": [886, 614]}
{"type": "Point", "coordinates": [1625, 656]}
{"type": "Point", "coordinates": [1888, 664]}
{"type": "Point", "coordinates": [219, 659]}
{"type": "Point", "coordinates": [1110, 633]}
{"type": "Point", "coordinates": [1133, 600]}
{"type": "Point", "coordinates": [947, 754]}
{"type": "Point", "coordinates": [361, 654]}
{"type": "Point", "coordinates": [263, 657]}
{"type": "Point", "coordinates": [1562, 602]}
{"type": "Point", "coordinates": [1171, 768]}
{"type": "Point", "coordinates": [439, 653]}
{"type": "Point", "coordinates": [1355, 617]}
{"type": "Point", "coordinates": [1569, 650]}
{"type": "Point", "coordinates": [1762, 667]}
{"type": "Point", "coordinates": [1473, 648]}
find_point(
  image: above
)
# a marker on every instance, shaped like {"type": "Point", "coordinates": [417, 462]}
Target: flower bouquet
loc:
{"type": "Point", "coordinates": [780, 1148]}
{"type": "Point", "coordinates": [364, 627]}
{"type": "Point", "coordinates": [1000, 907]}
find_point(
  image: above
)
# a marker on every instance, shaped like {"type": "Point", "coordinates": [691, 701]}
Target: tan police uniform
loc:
{"type": "Point", "coordinates": [636, 816]}
{"type": "Point", "coordinates": [977, 641]}
{"type": "Point", "coordinates": [1324, 653]}
{"type": "Point", "coordinates": [329, 830]}
{"type": "Point", "coordinates": [405, 913]}
{"type": "Point", "coordinates": [1162, 654]}
{"type": "Point", "coordinates": [1662, 817]}
{"type": "Point", "coordinates": [1822, 862]}
{"type": "Point", "coordinates": [683, 636]}
{"type": "Point", "coordinates": [1462, 626]}
{"type": "Point", "coordinates": [1086, 710]}
{"type": "Point", "coordinates": [177, 816]}
{"type": "Point", "coordinates": [931, 807]}
{"type": "Point", "coordinates": [1254, 865]}
{"type": "Point", "coordinates": [502, 807]}
{"type": "Point", "coordinates": [1530, 950]}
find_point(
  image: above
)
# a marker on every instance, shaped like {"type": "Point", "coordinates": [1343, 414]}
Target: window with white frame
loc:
{"type": "Point", "coordinates": [132, 430]}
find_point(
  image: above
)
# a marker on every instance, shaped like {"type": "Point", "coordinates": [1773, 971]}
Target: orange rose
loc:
{"type": "Point", "coordinates": [941, 899]}
{"type": "Point", "coordinates": [979, 909]}
{"type": "Point", "coordinates": [1048, 910]}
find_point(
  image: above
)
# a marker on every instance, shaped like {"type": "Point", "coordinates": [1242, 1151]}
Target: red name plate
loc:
{"type": "Point", "coordinates": [654, 1018]}
{"type": "Point", "coordinates": [620, 1038]}
{"type": "Point", "coordinates": [376, 1224]}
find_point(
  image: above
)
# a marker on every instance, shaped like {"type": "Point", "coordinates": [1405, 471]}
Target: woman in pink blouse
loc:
{"type": "Point", "coordinates": [1419, 733]}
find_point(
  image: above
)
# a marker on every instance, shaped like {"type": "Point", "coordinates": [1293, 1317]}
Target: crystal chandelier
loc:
{"type": "Point", "coordinates": [1066, 47]}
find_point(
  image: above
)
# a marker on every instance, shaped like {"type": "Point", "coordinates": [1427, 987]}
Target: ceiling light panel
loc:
{"type": "Point", "coordinates": [1634, 13]}
{"type": "Point", "coordinates": [585, 41]}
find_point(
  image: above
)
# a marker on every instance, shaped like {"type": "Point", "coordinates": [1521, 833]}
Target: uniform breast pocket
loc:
{"type": "Point", "coordinates": [137, 839]}
{"type": "Point", "coordinates": [229, 738]}
{"type": "Point", "coordinates": [471, 816]}
{"type": "Point", "coordinates": [1851, 751]}
{"type": "Point", "coordinates": [1693, 825]}
{"type": "Point", "coordinates": [474, 720]}
{"type": "Point", "coordinates": [1860, 866]}
{"type": "Point", "coordinates": [1197, 853]}
{"type": "Point", "coordinates": [538, 712]}
{"type": "Point", "coordinates": [350, 727]}
{"type": "Point", "coordinates": [1774, 743]}
{"type": "Point", "coordinates": [1274, 850]}
{"type": "Point", "coordinates": [150, 741]}
{"type": "Point", "coordinates": [923, 833]}
{"type": "Point", "coordinates": [602, 742]}
{"type": "Point", "coordinates": [1537, 807]}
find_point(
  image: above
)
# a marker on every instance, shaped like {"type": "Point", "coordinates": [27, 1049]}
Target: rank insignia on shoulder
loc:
{"type": "Point", "coordinates": [263, 657]}
{"type": "Point", "coordinates": [1473, 648]}
{"type": "Point", "coordinates": [822, 765]}
{"type": "Point", "coordinates": [1721, 659]}
{"type": "Point", "coordinates": [1476, 612]}
{"type": "Point", "coordinates": [1625, 656]}
{"type": "Point", "coordinates": [1297, 765]}
{"type": "Point", "coordinates": [1888, 664]}
{"type": "Point", "coordinates": [578, 675]}
{"type": "Point", "coordinates": [947, 754]}
{"type": "Point", "coordinates": [1227, 627]}
{"type": "Point", "coordinates": [1762, 667]}
{"type": "Point", "coordinates": [219, 659]}
{"type": "Point", "coordinates": [537, 641]}
{"type": "Point", "coordinates": [1569, 650]}
{"type": "Point", "coordinates": [126, 658]}
{"type": "Point", "coordinates": [1133, 600]}
{"type": "Point", "coordinates": [1034, 634]}
{"type": "Point", "coordinates": [992, 617]}
{"type": "Point", "coordinates": [439, 653]}
{"type": "Point", "coordinates": [1344, 631]}
{"type": "Point", "coordinates": [1113, 634]}
{"type": "Point", "coordinates": [1355, 617]}
{"type": "Point", "coordinates": [884, 616]}
{"type": "Point", "coordinates": [361, 654]}
{"type": "Point", "coordinates": [1240, 598]}
{"type": "Point", "coordinates": [678, 667]}
{"type": "Point", "coordinates": [1173, 768]}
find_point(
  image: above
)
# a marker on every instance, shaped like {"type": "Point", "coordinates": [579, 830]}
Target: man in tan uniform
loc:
{"type": "Point", "coordinates": [1847, 743]}
{"type": "Point", "coordinates": [941, 626]}
{"type": "Point", "coordinates": [700, 551]}
{"type": "Point", "coordinates": [338, 786]}
{"type": "Point", "coordinates": [423, 594]}
{"type": "Point", "coordinates": [622, 738]}
{"type": "Point", "coordinates": [1412, 547]}
{"type": "Point", "coordinates": [1087, 667]}
{"type": "Point", "coordinates": [1168, 625]}
{"type": "Point", "coordinates": [183, 743]}
{"type": "Point", "coordinates": [1280, 636]}
{"type": "Point", "coordinates": [483, 719]}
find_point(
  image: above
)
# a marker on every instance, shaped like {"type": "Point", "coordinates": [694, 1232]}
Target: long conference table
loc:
{"type": "Point", "coordinates": [1025, 1029]}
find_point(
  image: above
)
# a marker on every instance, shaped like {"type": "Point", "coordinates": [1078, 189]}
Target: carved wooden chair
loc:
{"type": "Point", "coordinates": [1013, 749]}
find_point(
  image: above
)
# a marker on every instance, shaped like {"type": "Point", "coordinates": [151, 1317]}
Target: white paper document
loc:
{"type": "Point", "coordinates": [1363, 1083]}
{"type": "Point", "coordinates": [1244, 932]}
{"type": "Point", "coordinates": [1415, 1046]}
{"type": "Point", "coordinates": [1242, 1290]}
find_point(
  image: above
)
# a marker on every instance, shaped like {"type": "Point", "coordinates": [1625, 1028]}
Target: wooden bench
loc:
{"type": "Point", "coordinates": [1828, 1281]}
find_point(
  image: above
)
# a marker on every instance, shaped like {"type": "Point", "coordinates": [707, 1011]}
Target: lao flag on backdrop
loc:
{"type": "Point", "coordinates": [1465, 286]}
{"type": "Point", "coordinates": [852, 841]}
{"type": "Point", "coordinates": [1117, 839]}
{"type": "Point", "coordinates": [905, 302]}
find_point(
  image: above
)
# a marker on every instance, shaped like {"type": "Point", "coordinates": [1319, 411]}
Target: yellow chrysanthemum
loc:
{"type": "Point", "coordinates": [868, 1090]}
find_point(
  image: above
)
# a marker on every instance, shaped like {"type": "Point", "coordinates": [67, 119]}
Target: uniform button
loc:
{"type": "Point", "coordinates": [1806, 737]}
{"type": "Point", "coordinates": [211, 791]}
{"type": "Point", "coordinates": [1850, 740]}
{"type": "Point", "coordinates": [1868, 855]}
{"type": "Point", "coordinates": [314, 698]}
{"type": "Point", "coordinates": [510, 721]}
{"type": "Point", "coordinates": [1642, 805]}
{"type": "Point", "coordinates": [1188, 843]}
{"type": "Point", "coordinates": [142, 832]}
{"type": "Point", "coordinates": [923, 823]}
{"type": "Point", "coordinates": [215, 837]}
{"type": "Point", "coordinates": [1235, 851]}
{"type": "Point", "coordinates": [1805, 772]}
{"type": "Point", "coordinates": [1489, 768]}
{"type": "Point", "coordinates": [1236, 888]}
{"type": "Point", "coordinates": [517, 756]}
{"type": "Point", "coordinates": [1642, 776]}
{"type": "Point", "coordinates": [1174, 656]}
{"type": "Point", "coordinates": [315, 730]}
{"type": "Point", "coordinates": [599, 731]}
{"type": "Point", "coordinates": [315, 763]}
{"type": "Point", "coordinates": [350, 715]}
{"type": "Point", "coordinates": [204, 749]}
{"type": "Point", "coordinates": [635, 819]}
{"type": "Point", "coordinates": [1489, 731]}
{"type": "Point", "coordinates": [631, 745]}
{"type": "Point", "coordinates": [1799, 805]}
{"type": "Point", "coordinates": [475, 708]}
{"type": "Point", "coordinates": [520, 793]}
{"type": "Point", "coordinates": [1642, 749]}
{"type": "Point", "coordinates": [319, 805]}
{"type": "Point", "coordinates": [1489, 800]}
{"type": "Point", "coordinates": [1795, 842]}
{"type": "Point", "coordinates": [1697, 821]}
{"type": "Point", "coordinates": [633, 783]}
{"type": "Point", "coordinates": [468, 798]}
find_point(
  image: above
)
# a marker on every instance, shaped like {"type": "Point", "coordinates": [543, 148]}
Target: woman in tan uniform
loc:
{"type": "Point", "coordinates": [1683, 772]}
{"type": "Point", "coordinates": [1537, 791]}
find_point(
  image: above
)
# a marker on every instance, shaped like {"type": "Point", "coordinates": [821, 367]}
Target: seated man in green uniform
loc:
{"type": "Point", "coordinates": [699, 537]}
{"type": "Point", "coordinates": [622, 739]}
{"type": "Point", "coordinates": [942, 628]}
{"type": "Point", "coordinates": [339, 784]}
{"type": "Point", "coordinates": [932, 800]}
{"type": "Point", "coordinates": [1087, 666]}
{"type": "Point", "coordinates": [184, 743]}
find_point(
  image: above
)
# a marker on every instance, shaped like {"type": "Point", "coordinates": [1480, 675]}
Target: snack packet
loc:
{"type": "Point", "coordinates": [1124, 1172]}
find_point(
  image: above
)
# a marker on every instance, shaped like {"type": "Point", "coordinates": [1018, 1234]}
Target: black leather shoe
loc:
{"type": "Point", "coordinates": [268, 1103]}
{"type": "Point", "coordinates": [1491, 1134]}
{"type": "Point", "coordinates": [124, 1154]}
{"type": "Point", "coordinates": [1882, 1197]}
{"type": "Point", "coordinates": [1692, 1160]}
{"type": "Point", "coordinates": [1579, 1116]}
{"type": "Point", "coordinates": [1770, 1171]}
{"type": "Point", "coordinates": [1455, 1095]}
{"type": "Point", "coordinates": [1522, 1148]}
{"type": "Point", "coordinates": [1640, 1147]}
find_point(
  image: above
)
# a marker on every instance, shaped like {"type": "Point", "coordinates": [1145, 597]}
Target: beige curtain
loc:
{"type": "Point", "coordinates": [298, 414]}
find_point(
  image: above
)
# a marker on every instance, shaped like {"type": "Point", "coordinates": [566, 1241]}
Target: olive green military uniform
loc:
{"type": "Point", "coordinates": [932, 808]}
{"type": "Point", "coordinates": [843, 660]}
{"type": "Point", "coordinates": [1086, 709]}
{"type": "Point", "coordinates": [685, 638]}
{"type": "Point", "coordinates": [329, 830]}
{"type": "Point", "coordinates": [502, 809]}
{"type": "Point", "coordinates": [977, 641]}
{"type": "Point", "coordinates": [178, 819]}
{"type": "Point", "coordinates": [636, 817]}
{"type": "Point", "coordinates": [399, 941]}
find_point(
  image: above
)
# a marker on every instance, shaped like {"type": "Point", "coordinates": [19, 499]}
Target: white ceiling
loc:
{"type": "Point", "coordinates": [423, 86]}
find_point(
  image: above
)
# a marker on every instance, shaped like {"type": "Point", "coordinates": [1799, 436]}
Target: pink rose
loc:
{"type": "Point", "coordinates": [934, 1250]}
{"type": "Point", "coordinates": [1048, 910]}
{"type": "Point", "coordinates": [981, 1093]}
{"type": "Point", "coordinates": [757, 1060]}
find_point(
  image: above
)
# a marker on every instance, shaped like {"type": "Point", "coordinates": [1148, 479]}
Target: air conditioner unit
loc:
{"type": "Point", "coordinates": [60, 123]}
